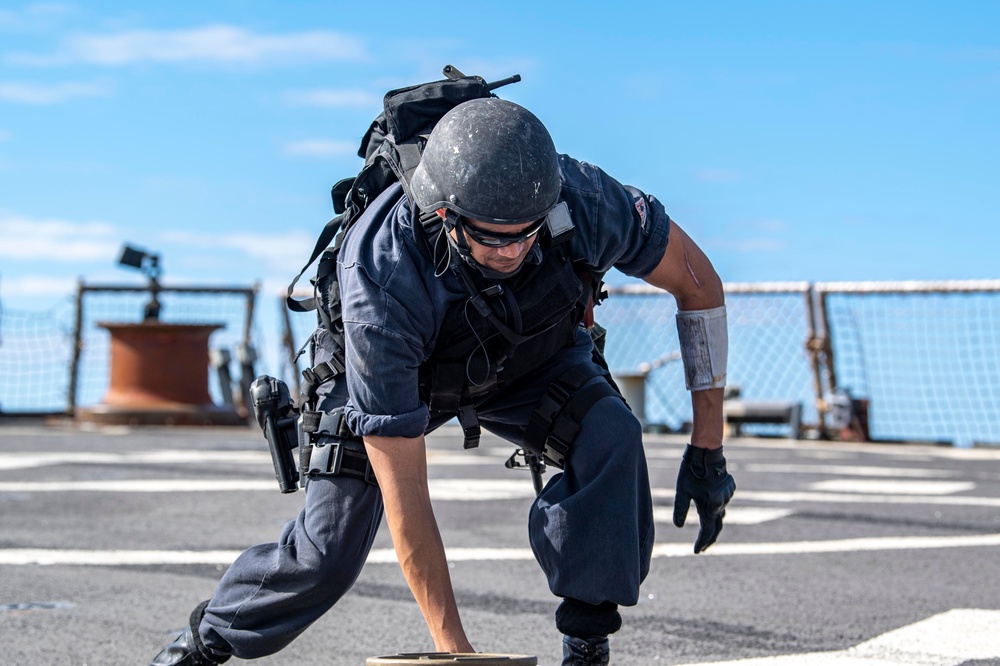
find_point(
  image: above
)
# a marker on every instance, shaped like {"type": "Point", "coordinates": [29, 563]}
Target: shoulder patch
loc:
{"type": "Point", "coordinates": [640, 207]}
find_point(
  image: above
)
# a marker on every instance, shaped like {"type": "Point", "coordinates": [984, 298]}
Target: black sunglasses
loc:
{"type": "Point", "coordinates": [499, 239]}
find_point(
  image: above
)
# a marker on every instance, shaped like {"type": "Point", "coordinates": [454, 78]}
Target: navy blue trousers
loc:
{"type": "Point", "coordinates": [591, 527]}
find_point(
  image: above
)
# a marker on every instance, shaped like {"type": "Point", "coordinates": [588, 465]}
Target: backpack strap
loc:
{"type": "Point", "coordinates": [324, 240]}
{"type": "Point", "coordinates": [391, 148]}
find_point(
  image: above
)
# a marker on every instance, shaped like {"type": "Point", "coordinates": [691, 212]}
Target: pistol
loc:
{"type": "Point", "coordinates": [276, 416]}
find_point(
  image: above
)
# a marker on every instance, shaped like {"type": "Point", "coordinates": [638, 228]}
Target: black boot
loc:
{"type": "Point", "coordinates": [187, 649]}
{"type": "Point", "coordinates": [580, 652]}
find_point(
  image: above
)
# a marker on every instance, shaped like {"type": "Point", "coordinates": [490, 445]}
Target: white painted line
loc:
{"type": "Point", "coordinates": [25, 460]}
{"type": "Point", "coordinates": [668, 453]}
{"type": "Point", "coordinates": [848, 470]}
{"type": "Point", "coordinates": [906, 452]}
{"type": "Point", "coordinates": [836, 498]}
{"type": "Point", "coordinates": [484, 554]}
{"type": "Point", "coordinates": [887, 487]}
{"type": "Point", "coordinates": [10, 461]}
{"type": "Point", "coordinates": [949, 639]}
{"type": "Point", "coordinates": [832, 546]}
{"type": "Point", "coordinates": [445, 490]}
{"type": "Point", "coordinates": [740, 515]}
{"type": "Point", "coordinates": [481, 489]}
{"type": "Point", "coordinates": [825, 455]}
{"type": "Point", "coordinates": [440, 489]}
{"type": "Point", "coordinates": [48, 557]}
{"type": "Point", "coordinates": [959, 635]}
{"type": "Point", "coordinates": [139, 486]}
{"type": "Point", "coordinates": [459, 460]}
{"type": "Point", "coordinates": [813, 659]}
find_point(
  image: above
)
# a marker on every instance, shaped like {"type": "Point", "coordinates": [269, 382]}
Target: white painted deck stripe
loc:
{"type": "Point", "coordinates": [441, 489]}
{"type": "Point", "coordinates": [69, 557]}
{"type": "Point", "coordinates": [893, 486]}
{"type": "Point", "coordinates": [139, 486]}
{"type": "Point", "coordinates": [833, 546]}
{"type": "Point", "coordinates": [9, 461]}
{"type": "Point", "coordinates": [739, 515]}
{"type": "Point", "coordinates": [475, 489]}
{"type": "Point", "coordinates": [847, 470]}
{"type": "Point", "coordinates": [845, 498]}
{"type": "Point", "coordinates": [959, 635]}
{"type": "Point", "coordinates": [906, 452]}
{"type": "Point", "coordinates": [518, 487]}
{"type": "Point", "coordinates": [482, 456]}
{"type": "Point", "coordinates": [31, 460]}
{"type": "Point", "coordinates": [949, 639]}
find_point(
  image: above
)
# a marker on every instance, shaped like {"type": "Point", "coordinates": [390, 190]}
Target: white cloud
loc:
{"type": "Point", "coordinates": [57, 240]}
{"type": "Point", "coordinates": [717, 175]}
{"type": "Point", "coordinates": [34, 15]}
{"type": "Point", "coordinates": [36, 285]}
{"type": "Point", "coordinates": [285, 252]}
{"type": "Point", "coordinates": [320, 148]}
{"type": "Point", "coordinates": [333, 98]}
{"type": "Point", "coordinates": [49, 9]}
{"type": "Point", "coordinates": [41, 93]}
{"type": "Point", "coordinates": [213, 43]}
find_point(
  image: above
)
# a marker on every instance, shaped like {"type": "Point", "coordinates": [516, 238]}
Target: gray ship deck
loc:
{"type": "Point", "coordinates": [850, 553]}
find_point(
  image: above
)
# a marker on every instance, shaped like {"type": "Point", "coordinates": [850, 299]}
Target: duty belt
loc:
{"type": "Point", "coordinates": [338, 460]}
{"type": "Point", "coordinates": [333, 458]}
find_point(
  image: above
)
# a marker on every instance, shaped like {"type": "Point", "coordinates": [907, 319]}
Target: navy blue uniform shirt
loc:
{"type": "Point", "coordinates": [393, 303]}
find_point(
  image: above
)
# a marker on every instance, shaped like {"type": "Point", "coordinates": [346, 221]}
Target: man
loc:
{"type": "Point", "coordinates": [463, 296]}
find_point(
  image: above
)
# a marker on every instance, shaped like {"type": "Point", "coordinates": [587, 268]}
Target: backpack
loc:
{"type": "Point", "coordinates": [391, 147]}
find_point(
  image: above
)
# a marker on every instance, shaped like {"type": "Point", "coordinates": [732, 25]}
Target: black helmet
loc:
{"type": "Point", "coordinates": [491, 160]}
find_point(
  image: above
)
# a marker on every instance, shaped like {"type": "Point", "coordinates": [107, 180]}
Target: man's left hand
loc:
{"type": "Point", "coordinates": [704, 479]}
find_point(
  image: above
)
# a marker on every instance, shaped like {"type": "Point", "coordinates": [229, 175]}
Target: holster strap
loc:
{"type": "Point", "coordinates": [555, 423]}
{"type": "Point", "coordinates": [335, 459]}
{"type": "Point", "coordinates": [469, 421]}
{"type": "Point", "coordinates": [318, 374]}
{"type": "Point", "coordinates": [329, 423]}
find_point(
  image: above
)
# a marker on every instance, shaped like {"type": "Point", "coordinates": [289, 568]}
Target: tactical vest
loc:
{"type": "Point", "coordinates": [542, 305]}
{"type": "Point", "coordinates": [486, 340]}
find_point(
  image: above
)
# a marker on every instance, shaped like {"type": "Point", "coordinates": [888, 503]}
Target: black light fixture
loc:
{"type": "Point", "coordinates": [149, 264]}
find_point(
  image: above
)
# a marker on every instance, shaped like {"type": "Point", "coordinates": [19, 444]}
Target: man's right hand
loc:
{"type": "Point", "coordinates": [703, 478]}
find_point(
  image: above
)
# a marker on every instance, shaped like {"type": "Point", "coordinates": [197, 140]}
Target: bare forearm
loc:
{"type": "Point", "coordinates": [401, 468]}
{"type": "Point", "coordinates": [707, 424]}
{"type": "Point", "coordinates": [689, 276]}
{"type": "Point", "coordinates": [425, 567]}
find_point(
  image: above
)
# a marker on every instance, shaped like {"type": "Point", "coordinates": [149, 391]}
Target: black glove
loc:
{"type": "Point", "coordinates": [703, 478]}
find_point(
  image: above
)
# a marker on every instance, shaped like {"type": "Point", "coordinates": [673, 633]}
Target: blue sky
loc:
{"type": "Point", "coordinates": [792, 140]}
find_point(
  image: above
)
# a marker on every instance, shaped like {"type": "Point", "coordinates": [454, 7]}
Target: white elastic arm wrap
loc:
{"type": "Point", "coordinates": [704, 338]}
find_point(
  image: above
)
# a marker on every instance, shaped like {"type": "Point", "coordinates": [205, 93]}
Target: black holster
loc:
{"type": "Point", "coordinates": [277, 417]}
